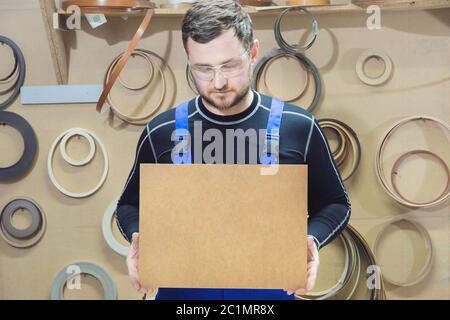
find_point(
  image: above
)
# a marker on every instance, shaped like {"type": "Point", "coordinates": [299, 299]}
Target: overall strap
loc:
{"type": "Point", "coordinates": [271, 149]}
{"type": "Point", "coordinates": [183, 156]}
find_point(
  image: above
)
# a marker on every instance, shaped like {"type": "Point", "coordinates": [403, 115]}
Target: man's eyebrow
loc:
{"type": "Point", "coordinates": [208, 65]}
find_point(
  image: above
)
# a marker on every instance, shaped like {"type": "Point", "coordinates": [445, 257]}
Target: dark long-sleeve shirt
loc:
{"type": "Point", "coordinates": [301, 142]}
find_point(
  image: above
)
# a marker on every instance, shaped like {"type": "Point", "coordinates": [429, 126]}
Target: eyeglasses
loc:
{"type": "Point", "coordinates": [228, 70]}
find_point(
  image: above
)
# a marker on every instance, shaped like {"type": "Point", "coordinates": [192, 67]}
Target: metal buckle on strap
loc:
{"type": "Point", "coordinates": [272, 142]}
{"type": "Point", "coordinates": [182, 136]}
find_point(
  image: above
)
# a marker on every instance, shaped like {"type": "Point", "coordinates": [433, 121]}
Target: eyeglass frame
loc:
{"type": "Point", "coordinates": [218, 68]}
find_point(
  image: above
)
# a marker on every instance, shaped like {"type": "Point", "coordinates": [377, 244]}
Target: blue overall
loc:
{"type": "Point", "coordinates": [269, 156]}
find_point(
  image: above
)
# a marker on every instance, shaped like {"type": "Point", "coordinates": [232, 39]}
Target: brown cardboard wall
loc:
{"type": "Point", "coordinates": [417, 42]}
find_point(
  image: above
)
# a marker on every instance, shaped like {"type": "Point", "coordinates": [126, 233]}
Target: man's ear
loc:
{"type": "Point", "coordinates": [254, 52]}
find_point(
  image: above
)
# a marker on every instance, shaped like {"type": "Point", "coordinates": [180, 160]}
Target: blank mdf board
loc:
{"type": "Point", "coordinates": [222, 226]}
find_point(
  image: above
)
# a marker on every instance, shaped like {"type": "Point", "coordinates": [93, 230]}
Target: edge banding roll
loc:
{"type": "Point", "coordinates": [305, 73]}
{"type": "Point", "coordinates": [107, 230]}
{"type": "Point", "coordinates": [346, 287]}
{"type": "Point", "coordinates": [256, 3]}
{"type": "Point", "coordinates": [147, 55]}
{"type": "Point", "coordinates": [29, 236]}
{"type": "Point", "coordinates": [379, 166]}
{"type": "Point", "coordinates": [349, 140]}
{"type": "Point", "coordinates": [71, 132]}
{"type": "Point", "coordinates": [116, 7]}
{"type": "Point", "coordinates": [293, 49]}
{"type": "Point", "coordinates": [19, 69]}
{"type": "Point", "coordinates": [376, 292]}
{"type": "Point", "coordinates": [30, 146]}
{"type": "Point", "coordinates": [378, 54]}
{"type": "Point", "coordinates": [394, 173]}
{"type": "Point", "coordinates": [343, 279]}
{"type": "Point", "coordinates": [340, 140]}
{"type": "Point", "coordinates": [150, 77]}
{"type": "Point", "coordinates": [109, 288]}
{"type": "Point", "coordinates": [426, 268]}
{"type": "Point", "coordinates": [341, 153]}
{"type": "Point", "coordinates": [190, 80]}
{"type": "Point", "coordinates": [9, 74]}
{"type": "Point", "coordinates": [176, 6]}
{"type": "Point", "coordinates": [63, 147]}
{"type": "Point", "coordinates": [308, 2]}
{"type": "Point", "coordinates": [260, 66]}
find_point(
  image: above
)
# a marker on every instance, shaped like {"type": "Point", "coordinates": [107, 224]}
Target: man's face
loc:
{"type": "Point", "coordinates": [229, 85]}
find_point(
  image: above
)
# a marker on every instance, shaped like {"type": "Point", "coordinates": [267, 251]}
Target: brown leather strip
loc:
{"type": "Point", "coordinates": [108, 6]}
{"type": "Point", "coordinates": [116, 6]}
{"type": "Point", "coordinates": [255, 3]}
{"type": "Point", "coordinates": [123, 60]}
{"type": "Point", "coordinates": [141, 119]}
{"type": "Point", "coordinates": [176, 6]}
{"type": "Point", "coordinates": [307, 2]}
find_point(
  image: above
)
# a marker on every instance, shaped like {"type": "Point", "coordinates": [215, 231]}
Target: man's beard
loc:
{"type": "Point", "coordinates": [239, 97]}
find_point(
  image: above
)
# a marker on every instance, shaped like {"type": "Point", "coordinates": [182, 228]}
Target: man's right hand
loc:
{"type": "Point", "coordinates": [132, 264]}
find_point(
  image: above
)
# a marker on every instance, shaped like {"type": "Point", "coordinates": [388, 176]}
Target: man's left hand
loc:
{"type": "Point", "coordinates": [312, 268]}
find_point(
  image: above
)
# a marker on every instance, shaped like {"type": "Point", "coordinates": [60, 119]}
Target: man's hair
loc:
{"type": "Point", "coordinates": [207, 19]}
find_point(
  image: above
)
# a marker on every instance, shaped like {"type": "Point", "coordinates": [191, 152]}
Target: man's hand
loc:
{"type": "Point", "coordinates": [312, 268]}
{"type": "Point", "coordinates": [132, 264]}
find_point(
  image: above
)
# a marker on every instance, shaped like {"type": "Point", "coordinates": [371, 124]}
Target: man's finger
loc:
{"type": "Point", "coordinates": [300, 292]}
{"type": "Point", "coordinates": [137, 286]}
{"type": "Point", "coordinates": [133, 274]}
{"type": "Point", "coordinates": [135, 245]}
{"type": "Point", "coordinates": [135, 241]}
{"type": "Point", "coordinates": [311, 280]}
{"type": "Point", "coordinates": [134, 280]}
{"type": "Point", "coordinates": [142, 290]}
{"type": "Point", "coordinates": [312, 267]}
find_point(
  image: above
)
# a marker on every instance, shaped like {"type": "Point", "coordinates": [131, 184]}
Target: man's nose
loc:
{"type": "Point", "coordinates": [219, 79]}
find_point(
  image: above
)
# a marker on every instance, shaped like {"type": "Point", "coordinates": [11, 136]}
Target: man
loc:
{"type": "Point", "coordinates": [218, 39]}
